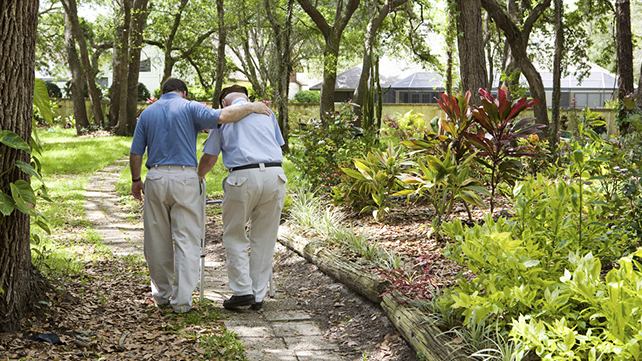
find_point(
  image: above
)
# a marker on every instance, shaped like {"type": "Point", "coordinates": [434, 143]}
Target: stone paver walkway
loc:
{"type": "Point", "coordinates": [280, 332]}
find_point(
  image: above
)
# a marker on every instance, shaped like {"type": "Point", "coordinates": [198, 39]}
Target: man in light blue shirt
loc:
{"type": "Point", "coordinates": [253, 191]}
{"type": "Point", "coordinates": [173, 212]}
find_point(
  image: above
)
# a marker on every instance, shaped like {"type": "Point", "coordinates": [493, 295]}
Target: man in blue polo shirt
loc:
{"type": "Point", "coordinates": [174, 195]}
{"type": "Point", "coordinates": [254, 190]}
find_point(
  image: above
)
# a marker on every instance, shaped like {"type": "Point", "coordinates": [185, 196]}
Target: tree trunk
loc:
{"type": "Point", "coordinates": [330, 60]}
{"type": "Point", "coordinates": [515, 36]}
{"type": "Point", "coordinates": [169, 60]}
{"type": "Point", "coordinates": [283, 66]}
{"type": "Point", "coordinates": [471, 48]}
{"type": "Point", "coordinates": [18, 29]}
{"type": "Point", "coordinates": [371, 33]}
{"type": "Point", "coordinates": [624, 56]}
{"type": "Point", "coordinates": [123, 95]}
{"type": "Point", "coordinates": [220, 54]}
{"type": "Point", "coordinates": [136, 38]}
{"type": "Point", "coordinates": [332, 36]}
{"type": "Point", "coordinates": [90, 76]}
{"type": "Point", "coordinates": [119, 64]}
{"type": "Point", "coordinates": [557, 75]}
{"type": "Point", "coordinates": [77, 81]}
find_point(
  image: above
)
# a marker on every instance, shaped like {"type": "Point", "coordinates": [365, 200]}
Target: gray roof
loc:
{"type": "Point", "coordinates": [598, 79]}
{"type": "Point", "coordinates": [421, 80]}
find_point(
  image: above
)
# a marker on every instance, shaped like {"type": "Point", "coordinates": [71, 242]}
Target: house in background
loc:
{"type": "Point", "coordinates": [421, 87]}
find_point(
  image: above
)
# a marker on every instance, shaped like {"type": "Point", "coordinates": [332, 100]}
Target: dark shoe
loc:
{"type": "Point", "coordinates": [256, 306]}
{"type": "Point", "coordinates": [238, 301]}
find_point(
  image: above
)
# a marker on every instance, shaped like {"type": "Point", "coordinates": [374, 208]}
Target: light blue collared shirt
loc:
{"type": "Point", "coordinates": [253, 139]}
{"type": "Point", "coordinates": [169, 128]}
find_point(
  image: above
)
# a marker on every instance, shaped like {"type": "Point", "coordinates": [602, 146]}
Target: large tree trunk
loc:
{"type": "Point", "coordinates": [557, 75]}
{"type": "Point", "coordinates": [77, 81]}
{"type": "Point", "coordinates": [624, 55]}
{"type": "Point", "coordinates": [136, 37]}
{"type": "Point", "coordinates": [515, 36]}
{"type": "Point", "coordinates": [123, 71]}
{"type": "Point", "coordinates": [332, 35]}
{"type": "Point", "coordinates": [471, 48]}
{"type": "Point", "coordinates": [18, 28]}
{"type": "Point", "coordinates": [119, 64]}
{"type": "Point", "coordinates": [220, 53]}
{"type": "Point", "coordinates": [330, 61]}
{"type": "Point", "coordinates": [283, 66]}
{"type": "Point", "coordinates": [90, 76]}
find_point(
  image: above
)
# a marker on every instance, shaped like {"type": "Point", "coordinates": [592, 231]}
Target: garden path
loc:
{"type": "Point", "coordinates": [281, 331]}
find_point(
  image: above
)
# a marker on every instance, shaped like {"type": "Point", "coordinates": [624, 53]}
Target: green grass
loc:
{"type": "Point", "coordinates": [66, 154]}
{"type": "Point", "coordinates": [67, 164]}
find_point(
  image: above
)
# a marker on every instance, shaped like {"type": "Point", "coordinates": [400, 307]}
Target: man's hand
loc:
{"type": "Point", "coordinates": [137, 189]}
{"type": "Point", "coordinates": [261, 108]}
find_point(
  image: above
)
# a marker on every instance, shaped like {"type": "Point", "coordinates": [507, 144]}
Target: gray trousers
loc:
{"type": "Point", "coordinates": [173, 221]}
{"type": "Point", "coordinates": [254, 195]}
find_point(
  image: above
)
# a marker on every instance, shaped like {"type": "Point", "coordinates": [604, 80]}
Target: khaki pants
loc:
{"type": "Point", "coordinates": [256, 195]}
{"type": "Point", "coordinates": [173, 208]}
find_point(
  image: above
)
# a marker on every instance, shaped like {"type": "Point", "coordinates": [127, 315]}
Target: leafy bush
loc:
{"type": "Point", "coordinates": [53, 89]}
{"type": "Point", "coordinates": [307, 96]}
{"type": "Point", "coordinates": [199, 94]}
{"type": "Point", "coordinates": [376, 177]}
{"type": "Point", "coordinates": [499, 131]}
{"type": "Point", "coordinates": [320, 151]}
{"type": "Point", "coordinates": [143, 93]}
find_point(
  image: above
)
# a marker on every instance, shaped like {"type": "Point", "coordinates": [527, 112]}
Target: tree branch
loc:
{"type": "Point", "coordinates": [316, 16]}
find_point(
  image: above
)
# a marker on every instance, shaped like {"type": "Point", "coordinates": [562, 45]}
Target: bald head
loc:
{"type": "Point", "coordinates": [231, 97]}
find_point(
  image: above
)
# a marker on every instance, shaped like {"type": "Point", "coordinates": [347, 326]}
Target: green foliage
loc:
{"type": "Point", "coordinates": [307, 96]}
{"type": "Point", "coordinates": [143, 93]}
{"type": "Point", "coordinates": [517, 264]}
{"type": "Point", "coordinates": [405, 126]}
{"type": "Point", "coordinates": [611, 310]}
{"type": "Point", "coordinates": [200, 94]}
{"type": "Point", "coordinates": [444, 182]}
{"type": "Point", "coordinates": [319, 150]}
{"type": "Point", "coordinates": [376, 177]}
{"type": "Point", "coordinates": [53, 90]}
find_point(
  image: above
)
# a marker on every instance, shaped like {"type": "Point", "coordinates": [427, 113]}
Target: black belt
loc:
{"type": "Point", "coordinates": [257, 165]}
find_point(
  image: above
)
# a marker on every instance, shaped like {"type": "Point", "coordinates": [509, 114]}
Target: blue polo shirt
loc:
{"type": "Point", "coordinates": [253, 139]}
{"type": "Point", "coordinates": [169, 128]}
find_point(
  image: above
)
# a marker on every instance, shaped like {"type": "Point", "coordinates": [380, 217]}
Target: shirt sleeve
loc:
{"type": "Point", "coordinates": [213, 143]}
{"type": "Point", "coordinates": [139, 142]}
{"type": "Point", "coordinates": [204, 117]}
{"type": "Point", "coordinates": [277, 131]}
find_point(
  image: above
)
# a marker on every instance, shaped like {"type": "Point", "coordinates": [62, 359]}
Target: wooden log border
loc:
{"type": "Point", "coordinates": [424, 338]}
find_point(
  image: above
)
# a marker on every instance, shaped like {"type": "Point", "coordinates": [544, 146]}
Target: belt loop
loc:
{"type": "Point", "coordinates": [262, 167]}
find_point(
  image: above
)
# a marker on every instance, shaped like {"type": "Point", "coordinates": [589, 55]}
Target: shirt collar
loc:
{"type": "Point", "coordinates": [239, 101]}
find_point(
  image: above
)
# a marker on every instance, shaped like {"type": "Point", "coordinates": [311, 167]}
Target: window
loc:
{"type": "Point", "coordinates": [145, 66]}
{"type": "Point", "coordinates": [425, 98]}
{"type": "Point", "coordinates": [415, 98]}
{"type": "Point", "coordinates": [581, 99]}
{"type": "Point", "coordinates": [595, 101]}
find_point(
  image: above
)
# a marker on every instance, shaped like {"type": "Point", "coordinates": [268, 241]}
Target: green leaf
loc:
{"type": "Point", "coordinates": [578, 156]}
{"type": "Point", "coordinates": [23, 194]}
{"type": "Point", "coordinates": [27, 168]}
{"type": "Point", "coordinates": [13, 140]}
{"type": "Point", "coordinates": [41, 101]}
{"type": "Point", "coordinates": [7, 205]}
{"type": "Point", "coordinates": [353, 173]}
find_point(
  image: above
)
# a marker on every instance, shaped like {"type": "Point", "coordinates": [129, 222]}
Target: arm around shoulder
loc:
{"type": "Point", "coordinates": [236, 113]}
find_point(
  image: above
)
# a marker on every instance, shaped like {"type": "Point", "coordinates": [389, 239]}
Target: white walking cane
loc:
{"type": "Point", "coordinates": [204, 227]}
